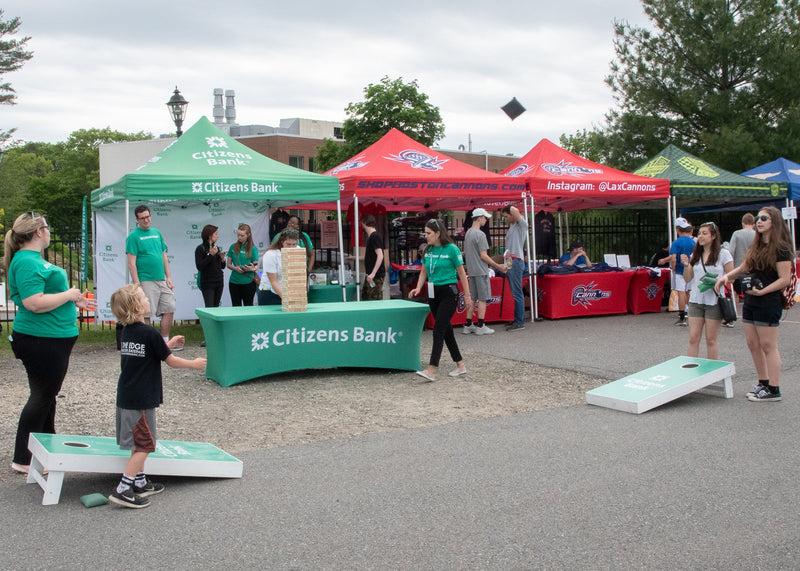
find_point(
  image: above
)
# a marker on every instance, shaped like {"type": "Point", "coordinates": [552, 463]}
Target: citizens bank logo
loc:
{"type": "Point", "coordinates": [216, 142]}
{"type": "Point", "coordinates": [520, 170]}
{"type": "Point", "coordinates": [418, 160]}
{"type": "Point", "coordinates": [584, 295]}
{"type": "Point", "coordinates": [566, 169]}
{"type": "Point", "coordinates": [352, 164]}
{"type": "Point", "coordinates": [197, 187]}
{"type": "Point", "coordinates": [285, 337]}
{"type": "Point", "coordinates": [652, 291]}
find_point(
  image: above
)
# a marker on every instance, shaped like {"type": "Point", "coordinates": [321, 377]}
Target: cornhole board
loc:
{"type": "Point", "coordinates": [60, 453]}
{"type": "Point", "coordinates": [663, 383]}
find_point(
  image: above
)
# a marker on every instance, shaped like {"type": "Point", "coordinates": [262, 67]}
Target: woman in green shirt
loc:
{"type": "Point", "coordinates": [44, 326]}
{"type": "Point", "coordinates": [243, 263]}
{"type": "Point", "coordinates": [442, 267]}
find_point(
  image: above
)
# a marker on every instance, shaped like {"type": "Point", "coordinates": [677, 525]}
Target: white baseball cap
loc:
{"type": "Point", "coordinates": [480, 212]}
{"type": "Point", "coordinates": [681, 222]}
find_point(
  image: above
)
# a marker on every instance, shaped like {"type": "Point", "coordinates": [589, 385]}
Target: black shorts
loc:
{"type": "Point", "coordinates": [762, 316]}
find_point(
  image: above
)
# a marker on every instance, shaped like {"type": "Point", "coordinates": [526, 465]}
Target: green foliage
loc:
{"type": "Point", "coordinates": [54, 177]}
{"type": "Point", "coordinates": [716, 77]}
{"type": "Point", "coordinates": [389, 104]}
{"type": "Point", "coordinates": [12, 57]}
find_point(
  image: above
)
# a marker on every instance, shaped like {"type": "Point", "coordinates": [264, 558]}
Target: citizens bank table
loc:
{"type": "Point", "coordinates": [248, 342]}
{"type": "Point", "coordinates": [582, 294]}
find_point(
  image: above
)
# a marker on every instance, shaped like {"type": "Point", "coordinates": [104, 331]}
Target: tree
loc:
{"type": "Point", "coordinates": [12, 57]}
{"type": "Point", "coordinates": [389, 104]}
{"type": "Point", "coordinates": [716, 77]}
{"type": "Point", "coordinates": [54, 177]}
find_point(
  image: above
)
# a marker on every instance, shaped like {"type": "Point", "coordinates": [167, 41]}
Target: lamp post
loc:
{"type": "Point", "coordinates": [177, 109]}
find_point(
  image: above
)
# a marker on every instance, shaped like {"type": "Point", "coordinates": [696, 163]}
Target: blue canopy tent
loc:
{"type": "Point", "coordinates": [780, 170]}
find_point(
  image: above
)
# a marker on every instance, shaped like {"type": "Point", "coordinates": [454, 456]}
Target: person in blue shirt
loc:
{"type": "Point", "coordinates": [575, 256]}
{"type": "Point", "coordinates": [683, 245]}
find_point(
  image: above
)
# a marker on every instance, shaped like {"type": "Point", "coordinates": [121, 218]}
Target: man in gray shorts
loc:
{"type": "Point", "coordinates": [478, 262]}
{"type": "Point", "coordinates": [149, 268]}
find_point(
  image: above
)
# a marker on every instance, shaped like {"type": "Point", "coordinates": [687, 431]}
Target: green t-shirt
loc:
{"type": "Point", "coordinates": [441, 263]}
{"type": "Point", "coordinates": [28, 275]}
{"type": "Point", "coordinates": [242, 259]}
{"type": "Point", "coordinates": [148, 246]}
{"type": "Point", "coordinates": [304, 241]}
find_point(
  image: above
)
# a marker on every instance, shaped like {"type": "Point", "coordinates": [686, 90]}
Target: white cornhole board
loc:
{"type": "Point", "coordinates": [663, 383]}
{"type": "Point", "coordinates": [60, 453]}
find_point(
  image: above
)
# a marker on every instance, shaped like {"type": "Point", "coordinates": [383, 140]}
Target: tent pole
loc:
{"type": "Point", "coordinates": [94, 263]}
{"type": "Point", "coordinates": [532, 279]}
{"type": "Point", "coordinates": [127, 232]}
{"type": "Point", "coordinates": [669, 220]}
{"type": "Point", "coordinates": [560, 234]}
{"type": "Point", "coordinates": [357, 229]}
{"type": "Point", "coordinates": [342, 281]}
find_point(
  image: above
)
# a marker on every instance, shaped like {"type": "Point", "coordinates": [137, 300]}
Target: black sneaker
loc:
{"type": "Point", "coordinates": [515, 327]}
{"type": "Point", "coordinates": [128, 499]}
{"type": "Point", "coordinates": [149, 489]}
{"type": "Point", "coordinates": [765, 395]}
{"type": "Point", "coordinates": [682, 321]}
{"type": "Point", "coordinates": [755, 390]}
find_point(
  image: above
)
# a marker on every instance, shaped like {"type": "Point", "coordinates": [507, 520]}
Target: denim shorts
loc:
{"type": "Point", "coordinates": [762, 316]}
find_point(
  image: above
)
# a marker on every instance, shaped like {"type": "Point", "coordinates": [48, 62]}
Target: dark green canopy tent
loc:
{"type": "Point", "coordinates": [694, 182]}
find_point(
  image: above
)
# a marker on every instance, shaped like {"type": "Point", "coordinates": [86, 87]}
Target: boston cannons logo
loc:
{"type": "Point", "coordinates": [652, 291]}
{"type": "Point", "coordinates": [418, 160]}
{"type": "Point", "coordinates": [566, 169]}
{"type": "Point", "coordinates": [520, 170]}
{"type": "Point", "coordinates": [354, 163]}
{"type": "Point", "coordinates": [584, 295]}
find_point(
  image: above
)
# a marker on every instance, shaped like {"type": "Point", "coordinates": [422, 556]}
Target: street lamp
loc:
{"type": "Point", "coordinates": [177, 109]}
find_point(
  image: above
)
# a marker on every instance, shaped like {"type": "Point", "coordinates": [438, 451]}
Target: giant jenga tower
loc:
{"type": "Point", "coordinates": [293, 279]}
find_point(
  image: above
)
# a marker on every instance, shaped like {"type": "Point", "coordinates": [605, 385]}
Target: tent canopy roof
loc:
{"type": "Point", "coordinates": [562, 181]}
{"type": "Point", "coordinates": [699, 183]}
{"type": "Point", "coordinates": [779, 170]}
{"type": "Point", "coordinates": [399, 173]}
{"type": "Point", "coordinates": [206, 164]}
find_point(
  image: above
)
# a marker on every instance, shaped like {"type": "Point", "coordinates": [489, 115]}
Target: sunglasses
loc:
{"type": "Point", "coordinates": [763, 218]}
{"type": "Point", "coordinates": [714, 226]}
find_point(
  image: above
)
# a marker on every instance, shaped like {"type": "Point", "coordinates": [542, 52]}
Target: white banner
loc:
{"type": "Point", "coordinates": [181, 226]}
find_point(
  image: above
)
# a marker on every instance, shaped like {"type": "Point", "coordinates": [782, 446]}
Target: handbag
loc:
{"type": "Point", "coordinates": [790, 291]}
{"type": "Point", "coordinates": [726, 306]}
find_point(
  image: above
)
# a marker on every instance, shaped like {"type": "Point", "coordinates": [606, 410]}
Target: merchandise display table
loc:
{"type": "Point", "coordinates": [645, 293]}
{"type": "Point", "coordinates": [499, 306]}
{"type": "Point", "coordinates": [330, 293]}
{"type": "Point", "coordinates": [250, 342]}
{"type": "Point", "coordinates": [582, 294]}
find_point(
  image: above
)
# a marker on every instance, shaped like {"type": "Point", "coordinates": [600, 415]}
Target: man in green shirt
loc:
{"type": "Point", "coordinates": [149, 269]}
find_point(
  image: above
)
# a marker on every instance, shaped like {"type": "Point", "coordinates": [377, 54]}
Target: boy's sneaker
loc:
{"type": "Point", "coordinates": [149, 489]}
{"type": "Point", "coordinates": [755, 390]}
{"type": "Point", "coordinates": [515, 327]}
{"type": "Point", "coordinates": [483, 330]}
{"type": "Point", "coordinates": [682, 321]}
{"type": "Point", "coordinates": [728, 324]}
{"type": "Point", "coordinates": [128, 499]}
{"type": "Point", "coordinates": [765, 395]}
{"type": "Point", "coordinates": [469, 329]}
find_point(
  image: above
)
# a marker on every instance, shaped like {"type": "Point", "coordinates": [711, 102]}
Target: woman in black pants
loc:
{"type": "Point", "coordinates": [443, 267]}
{"type": "Point", "coordinates": [210, 261]}
{"type": "Point", "coordinates": [45, 327]}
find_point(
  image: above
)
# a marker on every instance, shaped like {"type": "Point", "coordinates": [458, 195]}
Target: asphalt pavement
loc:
{"type": "Point", "coordinates": [702, 482]}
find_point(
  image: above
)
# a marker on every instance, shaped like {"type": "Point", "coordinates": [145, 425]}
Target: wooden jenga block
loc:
{"type": "Point", "coordinates": [293, 280]}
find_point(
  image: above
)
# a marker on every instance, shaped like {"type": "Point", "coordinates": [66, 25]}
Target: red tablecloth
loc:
{"type": "Point", "coordinates": [646, 294]}
{"type": "Point", "coordinates": [499, 307]}
{"type": "Point", "coordinates": [586, 293]}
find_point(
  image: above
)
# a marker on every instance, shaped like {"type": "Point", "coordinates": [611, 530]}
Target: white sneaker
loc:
{"type": "Point", "coordinates": [484, 330]}
{"type": "Point", "coordinates": [469, 329]}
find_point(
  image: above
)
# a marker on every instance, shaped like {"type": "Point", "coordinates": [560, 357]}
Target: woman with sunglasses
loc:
{"type": "Point", "coordinates": [442, 267]}
{"type": "Point", "coordinates": [708, 257]}
{"type": "Point", "coordinates": [769, 261]}
{"type": "Point", "coordinates": [44, 326]}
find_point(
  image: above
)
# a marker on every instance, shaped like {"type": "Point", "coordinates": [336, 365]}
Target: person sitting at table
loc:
{"type": "Point", "coordinates": [270, 292]}
{"type": "Point", "coordinates": [576, 256]}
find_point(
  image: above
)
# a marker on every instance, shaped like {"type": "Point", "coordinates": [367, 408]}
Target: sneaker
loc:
{"type": "Point", "coordinates": [469, 329]}
{"type": "Point", "coordinates": [458, 372]}
{"type": "Point", "coordinates": [21, 468]}
{"type": "Point", "coordinates": [682, 321]}
{"type": "Point", "coordinates": [203, 344]}
{"type": "Point", "coordinates": [727, 324]}
{"type": "Point", "coordinates": [483, 330]}
{"type": "Point", "coordinates": [515, 327]}
{"type": "Point", "coordinates": [149, 489]}
{"type": "Point", "coordinates": [128, 499]}
{"type": "Point", "coordinates": [755, 390]}
{"type": "Point", "coordinates": [765, 395]}
{"type": "Point", "coordinates": [178, 348]}
{"type": "Point", "coordinates": [424, 374]}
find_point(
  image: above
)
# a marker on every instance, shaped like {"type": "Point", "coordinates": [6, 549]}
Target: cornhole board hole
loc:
{"type": "Point", "coordinates": [61, 453]}
{"type": "Point", "coordinates": [663, 383]}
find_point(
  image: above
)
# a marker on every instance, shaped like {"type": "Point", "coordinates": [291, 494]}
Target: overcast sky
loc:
{"type": "Point", "coordinates": [103, 63]}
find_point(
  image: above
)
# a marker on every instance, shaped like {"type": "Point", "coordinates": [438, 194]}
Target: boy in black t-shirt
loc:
{"type": "Point", "coordinates": [140, 391]}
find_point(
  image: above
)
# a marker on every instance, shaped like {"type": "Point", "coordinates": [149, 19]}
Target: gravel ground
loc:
{"type": "Point", "coordinates": [293, 407]}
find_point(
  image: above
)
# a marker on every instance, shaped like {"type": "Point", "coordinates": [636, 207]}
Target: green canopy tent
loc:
{"type": "Point", "coordinates": [204, 177]}
{"type": "Point", "coordinates": [695, 182]}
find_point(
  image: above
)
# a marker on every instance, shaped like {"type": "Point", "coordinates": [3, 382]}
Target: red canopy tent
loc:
{"type": "Point", "coordinates": [561, 181]}
{"type": "Point", "coordinates": [401, 174]}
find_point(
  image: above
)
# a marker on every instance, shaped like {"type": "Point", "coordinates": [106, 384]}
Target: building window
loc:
{"type": "Point", "coordinates": [311, 165]}
{"type": "Point", "coordinates": [337, 133]}
{"type": "Point", "coordinates": [296, 162]}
